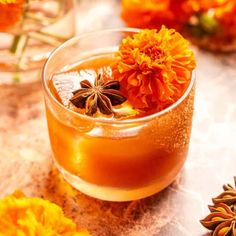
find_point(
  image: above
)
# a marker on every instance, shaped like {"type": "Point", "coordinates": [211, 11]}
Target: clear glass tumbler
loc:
{"type": "Point", "coordinates": [116, 160]}
{"type": "Point", "coordinates": [29, 31]}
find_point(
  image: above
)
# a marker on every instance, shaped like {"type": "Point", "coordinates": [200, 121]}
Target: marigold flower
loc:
{"type": "Point", "coordinates": [147, 14]}
{"type": "Point", "coordinates": [227, 19]}
{"type": "Point", "coordinates": [223, 12]}
{"type": "Point", "coordinates": [154, 13]}
{"type": "Point", "coordinates": [154, 68]}
{"type": "Point", "coordinates": [23, 216]}
{"type": "Point", "coordinates": [11, 12]}
{"type": "Point", "coordinates": [225, 15]}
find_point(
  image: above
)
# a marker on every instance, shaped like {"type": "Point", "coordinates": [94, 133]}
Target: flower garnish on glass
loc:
{"type": "Point", "coordinates": [119, 108]}
{"type": "Point", "coordinates": [154, 69]}
{"type": "Point", "coordinates": [21, 215]}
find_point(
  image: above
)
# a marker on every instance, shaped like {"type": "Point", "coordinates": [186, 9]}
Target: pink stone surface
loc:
{"type": "Point", "coordinates": [25, 156]}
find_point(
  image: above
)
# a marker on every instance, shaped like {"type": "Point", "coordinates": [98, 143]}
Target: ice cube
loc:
{"type": "Point", "coordinates": [66, 83]}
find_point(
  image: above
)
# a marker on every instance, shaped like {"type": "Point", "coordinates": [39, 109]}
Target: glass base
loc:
{"type": "Point", "coordinates": [112, 194]}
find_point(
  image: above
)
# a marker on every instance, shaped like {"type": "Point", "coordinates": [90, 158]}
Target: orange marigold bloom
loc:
{"type": "Point", "coordinates": [11, 12]}
{"type": "Point", "coordinates": [147, 13]}
{"type": "Point", "coordinates": [154, 13]}
{"type": "Point", "coordinates": [227, 19]}
{"type": "Point", "coordinates": [154, 68]}
{"type": "Point", "coordinates": [224, 11]}
{"type": "Point", "coordinates": [34, 216]}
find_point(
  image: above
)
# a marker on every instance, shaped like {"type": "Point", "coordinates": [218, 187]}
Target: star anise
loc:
{"type": "Point", "coordinates": [102, 95]}
{"type": "Point", "coordinates": [228, 196]}
{"type": "Point", "coordinates": [222, 220]}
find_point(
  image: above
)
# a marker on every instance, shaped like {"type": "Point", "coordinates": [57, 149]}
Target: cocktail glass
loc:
{"type": "Point", "coordinates": [116, 160]}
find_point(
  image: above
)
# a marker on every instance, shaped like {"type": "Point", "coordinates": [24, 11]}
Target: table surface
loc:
{"type": "Point", "coordinates": [25, 156]}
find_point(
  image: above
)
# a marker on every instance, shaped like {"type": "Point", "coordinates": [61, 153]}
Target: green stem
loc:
{"type": "Point", "coordinates": [14, 44]}
{"type": "Point", "coordinates": [16, 78]}
{"type": "Point", "coordinates": [19, 44]}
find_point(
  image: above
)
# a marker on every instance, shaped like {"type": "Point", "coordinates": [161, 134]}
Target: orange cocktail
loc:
{"type": "Point", "coordinates": [106, 141]}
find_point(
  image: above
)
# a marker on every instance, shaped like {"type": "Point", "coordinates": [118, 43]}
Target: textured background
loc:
{"type": "Point", "coordinates": [25, 158]}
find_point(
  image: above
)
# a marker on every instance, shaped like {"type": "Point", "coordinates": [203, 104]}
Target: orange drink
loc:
{"type": "Point", "coordinates": [107, 142]}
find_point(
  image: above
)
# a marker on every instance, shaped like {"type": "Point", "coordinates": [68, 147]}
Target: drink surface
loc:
{"type": "Point", "coordinates": [63, 84]}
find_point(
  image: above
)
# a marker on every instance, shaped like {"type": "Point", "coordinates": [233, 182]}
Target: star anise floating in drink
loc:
{"type": "Point", "coordinates": [102, 95]}
{"type": "Point", "coordinates": [222, 219]}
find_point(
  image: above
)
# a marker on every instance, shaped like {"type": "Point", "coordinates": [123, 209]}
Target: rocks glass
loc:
{"type": "Point", "coordinates": [116, 160]}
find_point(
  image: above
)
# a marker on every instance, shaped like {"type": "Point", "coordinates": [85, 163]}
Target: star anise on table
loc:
{"type": "Point", "coordinates": [222, 219]}
{"type": "Point", "coordinates": [228, 196]}
{"type": "Point", "coordinates": [100, 96]}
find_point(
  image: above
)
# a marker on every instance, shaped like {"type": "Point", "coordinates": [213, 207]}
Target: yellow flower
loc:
{"type": "Point", "coordinates": [154, 68]}
{"type": "Point", "coordinates": [7, 1]}
{"type": "Point", "coordinates": [21, 216]}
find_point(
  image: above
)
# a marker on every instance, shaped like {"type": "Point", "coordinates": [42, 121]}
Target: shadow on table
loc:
{"type": "Point", "coordinates": [108, 218]}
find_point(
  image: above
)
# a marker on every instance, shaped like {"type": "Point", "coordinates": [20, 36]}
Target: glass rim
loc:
{"type": "Point", "coordinates": [75, 39]}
